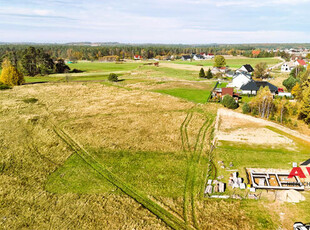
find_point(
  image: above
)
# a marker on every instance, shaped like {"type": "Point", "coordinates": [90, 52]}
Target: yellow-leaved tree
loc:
{"type": "Point", "coordinates": [263, 102]}
{"type": "Point", "coordinates": [10, 75]}
{"type": "Point", "coordinates": [304, 112]}
{"type": "Point", "coordinates": [297, 92]}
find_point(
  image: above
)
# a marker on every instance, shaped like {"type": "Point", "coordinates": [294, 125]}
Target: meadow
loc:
{"type": "Point", "coordinates": [194, 95]}
{"type": "Point", "coordinates": [104, 66]}
{"type": "Point", "coordinates": [129, 154]}
{"type": "Point", "coordinates": [134, 134]}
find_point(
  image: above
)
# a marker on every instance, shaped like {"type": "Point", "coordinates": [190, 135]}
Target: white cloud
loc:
{"type": "Point", "coordinates": [26, 11]}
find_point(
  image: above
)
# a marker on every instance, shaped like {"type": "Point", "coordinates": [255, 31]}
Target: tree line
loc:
{"type": "Point", "coordinates": [28, 62]}
{"type": "Point", "coordinates": [32, 61]}
{"type": "Point", "coordinates": [126, 51]}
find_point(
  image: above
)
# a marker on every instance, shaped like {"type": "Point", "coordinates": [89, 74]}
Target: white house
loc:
{"type": "Point", "coordinates": [198, 57]}
{"type": "Point", "coordinates": [240, 79]}
{"type": "Point", "coordinates": [209, 56]}
{"type": "Point", "coordinates": [245, 69]}
{"type": "Point", "coordinates": [216, 70]}
{"type": "Point", "coordinates": [287, 67]}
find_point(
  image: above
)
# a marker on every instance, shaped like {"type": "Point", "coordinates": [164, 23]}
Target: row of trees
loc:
{"type": "Point", "coordinates": [266, 106]}
{"type": "Point", "coordinates": [122, 51]}
{"type": "Point", "coordinates": [207, 75]}
{"type": "Point", "coordinates": [279, 108]}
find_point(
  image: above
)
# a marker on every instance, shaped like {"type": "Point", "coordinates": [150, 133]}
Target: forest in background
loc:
{"type": "Point", "coordinates": [85, 51]}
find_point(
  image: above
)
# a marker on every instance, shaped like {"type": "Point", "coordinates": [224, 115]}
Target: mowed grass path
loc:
{"type": "Point", "coordinates": [233, 63]}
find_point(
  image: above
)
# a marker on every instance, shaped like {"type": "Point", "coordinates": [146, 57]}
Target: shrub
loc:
{"type": "Point", "coordinates": [209, 74]}
{"type": "Point", "coordinates": [229, 102]}
{"type": "Point", "coordinates": [31, 100]}
{"type": "Point", "coordinates": [246, 108]}
{"type": "Point", "coordinates": [10, 75]}
{"type": "Point", "coordinates": [113, 77]}
{"type": "Point", "coordinates": [4, 86]}
{"type": "Point", "coordinates": [202, 73]}
{"type": "Point", "coordinates": [289, 83]}
{"type": "Point", "coordinates": [254, 111]}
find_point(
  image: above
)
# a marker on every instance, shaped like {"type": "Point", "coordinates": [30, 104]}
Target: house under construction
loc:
{"type": "Point", "coordinates": [261, 179]}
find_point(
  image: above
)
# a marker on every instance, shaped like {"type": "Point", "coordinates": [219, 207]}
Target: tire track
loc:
{"type": "Point", "coordinates": [167, 217]}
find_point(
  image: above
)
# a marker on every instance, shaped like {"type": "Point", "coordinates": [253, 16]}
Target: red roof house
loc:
{"type": "Point", "coordinates": [301, 62]}
{"type": "Point", "coordinates": [137, 57]}
{"type": "Point", "coordinates": [229, 91]}
{"type": "Point", "coordinates": [256, 52]}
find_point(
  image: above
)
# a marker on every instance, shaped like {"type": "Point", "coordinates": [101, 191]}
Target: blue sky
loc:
{"type": "Point", "coordinates": [159, 21]}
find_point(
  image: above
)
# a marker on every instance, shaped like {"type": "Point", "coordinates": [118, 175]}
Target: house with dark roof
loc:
{"type": "Point", "coordinates": [252, 87]}
{"type": "Point", "coordinates": [186, 57]}
{"type": "Point", "coordinates": [247, 68]}
{"type": "Point", "coordinates": [198, 57]}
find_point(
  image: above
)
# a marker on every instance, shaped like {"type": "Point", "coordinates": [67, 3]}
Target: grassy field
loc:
{"type": "Point", "coordinates": [194, 95]}
{"type": "Point", "coordinates": [132, 134]}
{"type": "Point", "coordinates": [172, 73]}
{"type": "Point", "coordinates": [233, 63]}
{"type": "Point", "coordinates": [104, 67]}
{"type": "Point", "coordinates": [88, 151]}
{"type": "Point", "coordinates": [68, 78]}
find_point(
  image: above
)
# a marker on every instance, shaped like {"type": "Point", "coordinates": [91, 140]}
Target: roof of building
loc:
{"type": "Point", "coordinates": [255, 86]}
{"type": "Point", "coordinates": [307, 162]}
{"type": "Point", "coordinates": [288, 64]}
{"type": "Point", "coordinates": [241, 73]}
{"type": "Point", "coordinates": [199, 56]}
{"type": "Point", "coordinates": [301, 62]}
{"type": "Point", "coordinates": [248, 67]}
{"type": "Point", "coordinates": [256, 52]}
{"type": "Point", "coordinates": [186, 56]}
{"type": "Point", "coordinates": [229, 91]}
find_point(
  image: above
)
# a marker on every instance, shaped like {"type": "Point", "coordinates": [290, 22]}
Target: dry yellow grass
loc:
{"type": "Point", "coordinates": [30, 151]}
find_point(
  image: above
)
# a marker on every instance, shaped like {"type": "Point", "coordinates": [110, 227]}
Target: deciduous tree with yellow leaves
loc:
{"type": "Point", "coordinates": [10, 75]}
